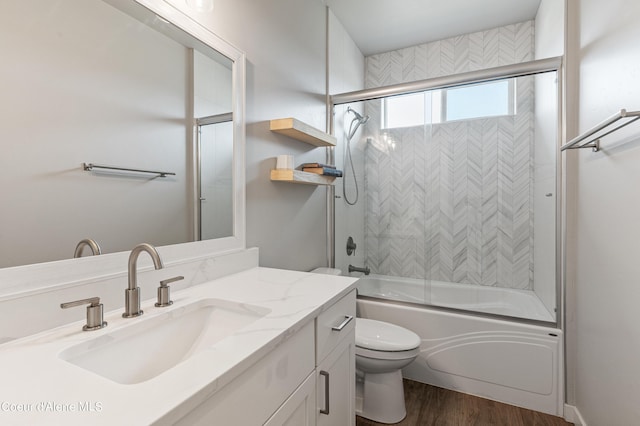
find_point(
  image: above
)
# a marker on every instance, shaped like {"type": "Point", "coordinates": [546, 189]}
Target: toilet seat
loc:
{"type": "Point", "coordinates": [379, 336]}
{"type": "Point", "coordinates": [387, 355]}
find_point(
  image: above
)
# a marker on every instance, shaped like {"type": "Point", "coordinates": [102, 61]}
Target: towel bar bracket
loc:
{"type": "Point", "coordinates": [595, 146]}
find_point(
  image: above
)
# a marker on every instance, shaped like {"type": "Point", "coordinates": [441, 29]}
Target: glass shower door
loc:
{"type": "Point", "coordinates": [457, 200]}
{"type": "Point", "coordinates": [215, 148]}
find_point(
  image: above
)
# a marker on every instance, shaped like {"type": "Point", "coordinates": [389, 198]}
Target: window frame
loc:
{"type": "Point", "coordinates": [439, 101]}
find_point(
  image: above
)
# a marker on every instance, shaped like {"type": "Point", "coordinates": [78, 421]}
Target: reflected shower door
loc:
{"type": "Point", "coordinates": [215, 147]}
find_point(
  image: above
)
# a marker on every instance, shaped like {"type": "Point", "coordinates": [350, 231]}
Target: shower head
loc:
{"type": "Point", "coordinates": [358, 121]}
{"type": "Point", "coordinates": [359, 117]}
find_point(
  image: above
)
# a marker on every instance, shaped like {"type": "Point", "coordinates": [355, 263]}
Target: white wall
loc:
{"type": "Point", "coordinates": [549, 29]}
{"type": "Point", "coordinates": [607, 377]}
{"type": "Point", "coordinates": [284, 41]}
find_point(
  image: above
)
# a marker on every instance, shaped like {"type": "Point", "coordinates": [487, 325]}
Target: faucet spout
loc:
{"type": "Point", "coordinates": [132, 293]}
{"type": "Point", "coordinates": [364, 270]}
{"type": "Point", "coordinates": [92, 244]}
{"type": "Point", "coordinates": [133, 262]}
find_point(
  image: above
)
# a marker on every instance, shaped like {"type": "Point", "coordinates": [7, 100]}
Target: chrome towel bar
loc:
{"type": "Point", "coordinates": [90, 166]}
{"type": "Point", "coordinates": [591, 138]}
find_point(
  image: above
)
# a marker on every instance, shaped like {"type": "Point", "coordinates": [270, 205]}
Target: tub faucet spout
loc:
{"type": "Point", "coordinates": [364, 270]}
{"type": "Point", "coordinates": [132, 293]}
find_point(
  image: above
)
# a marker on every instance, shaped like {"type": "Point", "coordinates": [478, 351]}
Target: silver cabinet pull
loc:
{"type": "Point", "coordinates": [325, 374]}
{"type": "Point", "coordinates": [94, 312]}
{"type": "Point", "coordinates": [343, 324]}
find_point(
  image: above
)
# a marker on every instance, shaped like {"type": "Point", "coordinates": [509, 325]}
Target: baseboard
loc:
{"type": "Point", "coordinates": [572, 415]}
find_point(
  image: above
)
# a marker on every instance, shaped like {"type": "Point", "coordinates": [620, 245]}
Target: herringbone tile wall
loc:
{"type": "Point", "coordinates": [453, 201]}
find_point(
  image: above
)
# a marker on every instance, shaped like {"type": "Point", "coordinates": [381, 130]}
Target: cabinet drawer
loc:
{"type": "Point", "coordinates": [333, 325]}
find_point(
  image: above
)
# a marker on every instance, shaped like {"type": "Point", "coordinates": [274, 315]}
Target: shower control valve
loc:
{"type": "Point", "coordinates": [351, 246]}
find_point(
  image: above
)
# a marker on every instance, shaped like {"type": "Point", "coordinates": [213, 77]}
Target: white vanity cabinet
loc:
{"type": "Point", "coordinates": [300, 408]}
{"type": "Point", "coordinates": [336, 385]}
{"type": "Point", "coordinates": [335, 363]}
{"type": "Point", "coordinates": [309, 379]}
{"type": "Point", "coordinates": [331, 387]}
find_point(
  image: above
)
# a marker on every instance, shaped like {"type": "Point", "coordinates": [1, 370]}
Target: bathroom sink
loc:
{"type": "Point", "coordinates": [151, 346]}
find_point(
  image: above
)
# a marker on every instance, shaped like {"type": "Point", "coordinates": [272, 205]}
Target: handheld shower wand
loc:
{"type": "Point", "coordinates": [358, 121]}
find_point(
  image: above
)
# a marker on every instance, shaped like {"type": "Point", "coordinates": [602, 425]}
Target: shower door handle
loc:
{"type": "Point", "coordinates": [325, 374]}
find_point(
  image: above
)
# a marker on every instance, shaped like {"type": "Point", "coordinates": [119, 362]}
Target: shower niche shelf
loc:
{"type": "Point", "coordinates": [298, 176]}
{"type": "Point", "coordinates": [296, 129]}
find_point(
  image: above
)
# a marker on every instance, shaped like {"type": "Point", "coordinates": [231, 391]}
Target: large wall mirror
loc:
{"type": "Point", "coordinates": [92, 87]}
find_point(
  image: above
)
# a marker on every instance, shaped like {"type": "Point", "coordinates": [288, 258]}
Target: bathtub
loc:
{"type": "Point", "coordinates": [476, 298]}
{"type": "Point", "coordinates": [519, 363]}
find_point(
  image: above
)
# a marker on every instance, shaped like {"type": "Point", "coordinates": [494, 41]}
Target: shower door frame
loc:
{"type": "Point", "coordinates": [456, 80]}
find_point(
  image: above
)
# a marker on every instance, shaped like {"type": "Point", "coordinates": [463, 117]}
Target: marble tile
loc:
{"type": "Point", "coordinates": [453, 201]}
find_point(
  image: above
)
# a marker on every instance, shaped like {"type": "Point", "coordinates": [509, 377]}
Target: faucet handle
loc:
{"type": "Point", "coordinates": [163, 291]}
{"type": "Point", "coordinates": [95, 312]}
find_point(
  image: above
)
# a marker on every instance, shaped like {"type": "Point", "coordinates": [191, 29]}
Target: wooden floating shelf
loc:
{"type": "Point", "coordinates": [298, 176]}
{"type": "Point", "coordinates": [301, 131]}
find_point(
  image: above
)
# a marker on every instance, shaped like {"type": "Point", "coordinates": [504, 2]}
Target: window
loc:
{"type": "Point", "coordinates": [405, 110]}
{"type": "Point", "coordinates": [480, 100]}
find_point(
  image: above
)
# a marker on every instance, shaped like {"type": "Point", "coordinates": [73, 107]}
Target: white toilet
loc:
{"type": "Point", "coordinates": [382, 350]}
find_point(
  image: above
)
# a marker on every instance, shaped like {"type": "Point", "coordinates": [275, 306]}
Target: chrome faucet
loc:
{"type": "Point", "coordinates": [95, 248]}
{"type": "Point", "coordinates": [364, 270]}
{"type": "Point", "coordinates": [132, 293]}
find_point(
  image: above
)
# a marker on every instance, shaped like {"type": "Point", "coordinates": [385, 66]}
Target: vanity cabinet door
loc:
{"type": "Point", "coordinates": [336, 385]}
{"type": "Point", "coordinates": [299, 408]}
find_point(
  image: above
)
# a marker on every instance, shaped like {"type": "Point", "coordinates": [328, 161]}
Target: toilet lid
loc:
{"type": "Point", "coordinates": [382, 336]}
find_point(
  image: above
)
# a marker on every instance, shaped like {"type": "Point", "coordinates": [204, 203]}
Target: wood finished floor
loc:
{"type": "Point", "coordinates": [429, 405]}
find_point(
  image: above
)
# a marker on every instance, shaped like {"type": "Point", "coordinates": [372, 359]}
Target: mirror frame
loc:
{"type": "Point", "coordinates": [33, 278]}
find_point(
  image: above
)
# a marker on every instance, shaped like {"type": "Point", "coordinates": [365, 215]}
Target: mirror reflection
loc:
{"type": "Point", "coordinates": [83, 82]}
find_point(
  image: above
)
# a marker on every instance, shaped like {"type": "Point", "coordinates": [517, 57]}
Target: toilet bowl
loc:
{"type": "Point", "coordinates": [382, 350]}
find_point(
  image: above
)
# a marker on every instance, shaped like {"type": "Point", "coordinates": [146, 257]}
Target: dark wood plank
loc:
{"type": "Point", "coordinates": [433, 406]}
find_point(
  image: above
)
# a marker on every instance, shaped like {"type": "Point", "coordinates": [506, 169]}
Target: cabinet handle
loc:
{"type": "Point", "coordinates": [343, 324]}
{"type": "Point", "coordinates": [326, 392]}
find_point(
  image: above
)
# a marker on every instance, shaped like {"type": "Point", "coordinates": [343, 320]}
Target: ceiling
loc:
{"type": "Point", "coordinates": [379, 26]}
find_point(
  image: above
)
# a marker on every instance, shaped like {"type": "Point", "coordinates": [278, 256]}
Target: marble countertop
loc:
{"type": "Point", "coordinates": [38, 387]}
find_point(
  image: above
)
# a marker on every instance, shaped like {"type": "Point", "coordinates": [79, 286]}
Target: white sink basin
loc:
{"type": "Point", "coordinates": [148, 347]}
